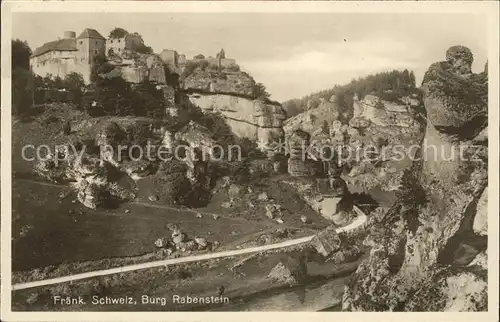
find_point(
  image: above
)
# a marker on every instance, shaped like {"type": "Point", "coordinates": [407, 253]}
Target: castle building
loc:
{"type": "Point", "coordinates": [68, 55]}
{"type": "Point", "coordinates": [120, 46]}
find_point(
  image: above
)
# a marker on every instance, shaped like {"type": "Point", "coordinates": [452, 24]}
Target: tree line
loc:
{"type": "Point", "coordinates": [389, 86]}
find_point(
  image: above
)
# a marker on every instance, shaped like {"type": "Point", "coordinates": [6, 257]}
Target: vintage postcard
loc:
{"type": "Point", "coordinates": [197, 160]}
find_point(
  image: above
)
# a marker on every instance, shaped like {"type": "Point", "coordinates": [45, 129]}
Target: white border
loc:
{"type": "Point", "coordinates": [489, 8]}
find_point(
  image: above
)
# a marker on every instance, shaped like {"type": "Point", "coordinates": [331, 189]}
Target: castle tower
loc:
{"type": "Point", "coordinates": [220, 56]}
{"type": "Point", "coordinates": [89, 44]}
{"type": "Point", "coordinates": [70, 34]}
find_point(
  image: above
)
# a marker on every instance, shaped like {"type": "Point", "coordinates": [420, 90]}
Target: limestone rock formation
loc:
{"type": "Point", "coordinates": [299, 163]}
{"type": "Point", "coordinates": [138, 67]}
{"type": "Point", "coordinates": [337, 204]}
{"type": "Point", "coordinates": [327, 241]}
{"type": "Point", "coordinates": [384, 113]}
{"type": "Point", "coordinates": [252, 119]}
{"type": "Point", "coordinates": [197, 136]}
{"type": "Point", "coordinates": [413, 260]}
{"type": "Point", "coordinates": [213, 81]}
{"type": "Point", "coordinates": [289, 270]}
{"type": "Point", "coordinates": [313, 119]}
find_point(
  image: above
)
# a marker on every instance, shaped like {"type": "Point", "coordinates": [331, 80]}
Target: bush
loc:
{"type": "Point", "coordinates": [189, 68]}
{"type": "Point", "coordinates": [233, 68]}
{"type": "Point", "coordinates": [116, 97]}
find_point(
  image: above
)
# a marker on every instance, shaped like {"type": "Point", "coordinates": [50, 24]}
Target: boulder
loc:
{"type": "Point", "coordinates": [162, 242]}
{"type": "Point", "coordinates": [178, 237]}
{"type": "Point", "coordinates": [226, 204]}
{"type": "Point", "coordinates": [187, 246]}
{"type": "Point", "coordinates": [273, 211]}
{"type": "Point", "coordinates": [263, 196]}
{"type": "Point", "coordinates": [201, 242]}
{"type": "Point", "coordinates": [359, 122]}
{"type": "Point", "coordinates": [291, 271]}
{"type": "Point", "coordinates": [326, 241]}
{"type": "Point", "coordinates": [32, 298]}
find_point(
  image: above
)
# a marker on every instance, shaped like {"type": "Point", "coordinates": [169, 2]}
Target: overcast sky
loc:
{"type": "Point", "coordinates": [293, 54]}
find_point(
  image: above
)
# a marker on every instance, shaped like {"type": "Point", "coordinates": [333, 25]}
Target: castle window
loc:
{"type": "Point", "coordinates": [81, 42]}
{"type": "Point", "coordinates": [119, 40]}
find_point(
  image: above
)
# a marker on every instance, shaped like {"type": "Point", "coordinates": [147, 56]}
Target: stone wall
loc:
{"type": "Point", "coordinates": [44, 66]}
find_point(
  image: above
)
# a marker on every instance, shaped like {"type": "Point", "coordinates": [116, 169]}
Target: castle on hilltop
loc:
{"type": "Point", "coordinates": [73, 54]}
{"type": "Point", "coordinates": [70, 54]}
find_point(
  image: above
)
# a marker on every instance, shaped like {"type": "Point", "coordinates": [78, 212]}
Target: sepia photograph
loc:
{"type": "Point", "coordinates": [277, 158]}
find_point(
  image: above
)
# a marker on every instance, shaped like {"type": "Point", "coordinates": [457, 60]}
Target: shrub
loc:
{"type": "Point", "coordinates": [233, 68]}
{"type": "Point", "coordinates": [189, 68]}
{"type": "Point", "coordinates": [22, 91]}
{"type": "Point", "coordinates": [143, 49]}
{"type": "Point", "coordinates": [171, 179]}
{"type": "Point", "coordinates": [203, 64]}
{"type": "Point", "coordinates": [259, 91]}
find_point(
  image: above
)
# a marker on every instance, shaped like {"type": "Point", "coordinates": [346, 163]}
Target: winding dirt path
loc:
{"type": "Point", "coordinates": [359, 221]}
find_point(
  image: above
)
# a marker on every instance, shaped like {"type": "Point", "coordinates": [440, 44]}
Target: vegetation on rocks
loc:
{"type": "Point", "coordinates": [389, 86]}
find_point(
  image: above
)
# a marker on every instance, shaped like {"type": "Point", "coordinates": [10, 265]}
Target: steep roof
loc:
{"type": "Point", "coordinates": [91, 33]}
{"type": "Point", "coordinates": [66, 44]}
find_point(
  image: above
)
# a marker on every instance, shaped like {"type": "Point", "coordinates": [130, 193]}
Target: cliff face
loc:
{"type": "Point", "coordinates": [312, 120]}
{"type": "Point", "coordinates": [213, 81]}
{"type": "Point", "coordinates": [252, 119]}
{"type": "Point", "coordinates": [384, 113]}
{"type": "Point", "coordinates": [425, 253]}
{"type": "Point", "coordinates": [139, 67]}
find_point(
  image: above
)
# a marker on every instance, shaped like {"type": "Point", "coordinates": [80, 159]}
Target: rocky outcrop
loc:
{"type": "Point", "coordinates": [385, 113]}
{"type": "Point", "coordinates": [247, 118]}
{"type": "Point", "coordinates": [337, 204]}
{"type": "Point", "coordinates": [197, 136]}
{"type": "Point", "coordinates": [299, 165]}
{"type": "Point", "coordinates": [139, 67]}
{"type": "Point", "coordinates": [215, 81]}
{"type": "Point", "coordinates": [415, 263]}
{"type": "Point", "coordinates": [313, 120]}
